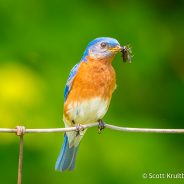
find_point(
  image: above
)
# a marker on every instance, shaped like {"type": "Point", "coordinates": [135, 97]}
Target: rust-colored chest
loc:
{"type": "Point", "coordinates": [93, 79]}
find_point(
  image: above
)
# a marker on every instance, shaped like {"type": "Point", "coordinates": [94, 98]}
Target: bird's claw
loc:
{"type": "Point", "coordinates": [101, 126]}
{"type": "Point", "coordinates": [79, 128]}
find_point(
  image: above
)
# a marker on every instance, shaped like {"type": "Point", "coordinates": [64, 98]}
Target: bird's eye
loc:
{"type": "Point", "coordinates": [103, 45]}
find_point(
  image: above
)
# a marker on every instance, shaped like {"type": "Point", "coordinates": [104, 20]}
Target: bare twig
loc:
{"type": "Point", "coordinates": [19, 180]}
{"type": "Point", "coordinates": [20, 132]}
{"type": "Point", "coordinates": [118, 128]}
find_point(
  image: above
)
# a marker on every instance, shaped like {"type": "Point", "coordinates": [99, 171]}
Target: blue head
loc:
{"type": "Point", "coordinates": [102, 48]}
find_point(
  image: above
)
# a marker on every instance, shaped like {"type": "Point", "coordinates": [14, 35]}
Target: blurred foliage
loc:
{"type": "Point", "coordinates": [40, 41]}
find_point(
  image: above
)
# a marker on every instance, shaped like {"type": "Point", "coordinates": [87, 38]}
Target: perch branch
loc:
{"type": "Point", "coordinates": [113, 127]}
{"type": "Point", "coordinates": [21, 130]}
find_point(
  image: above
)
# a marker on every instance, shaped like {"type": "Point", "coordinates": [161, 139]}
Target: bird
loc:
{"type": "Point", "coordinates": [87, 95]}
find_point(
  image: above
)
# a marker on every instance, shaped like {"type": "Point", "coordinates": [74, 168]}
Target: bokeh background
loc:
{"type": "Point", "coordinates": [40, 41]}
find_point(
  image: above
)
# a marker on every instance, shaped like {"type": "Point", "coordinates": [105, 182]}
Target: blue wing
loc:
{"type": "Point", "coordinates": [70, 80]}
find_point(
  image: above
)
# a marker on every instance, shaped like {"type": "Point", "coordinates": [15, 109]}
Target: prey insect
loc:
{"type": "Point", "coordinates": [127, 54]}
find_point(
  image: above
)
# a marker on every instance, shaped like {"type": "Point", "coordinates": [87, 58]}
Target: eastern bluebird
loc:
{"type": "Point", "coordinates": [87, 94]}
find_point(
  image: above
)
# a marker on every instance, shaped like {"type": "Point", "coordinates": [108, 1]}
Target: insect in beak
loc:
{"type": "Point", "coordinates": [126, 53]}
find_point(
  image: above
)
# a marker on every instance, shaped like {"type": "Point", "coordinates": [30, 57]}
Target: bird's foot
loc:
{"type": "Point", "coordinates": [79, 129]}
{"type": "Point", "coordinates": [101, 126]}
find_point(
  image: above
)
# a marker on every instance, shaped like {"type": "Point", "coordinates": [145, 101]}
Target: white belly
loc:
{"type": "Point", "coordinates": [88, 111]}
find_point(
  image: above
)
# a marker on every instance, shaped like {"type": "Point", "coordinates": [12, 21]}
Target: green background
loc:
{"type": "Point", "coordinates": [40, 41]}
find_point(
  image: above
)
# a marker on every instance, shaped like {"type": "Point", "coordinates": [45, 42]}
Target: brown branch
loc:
{"type": "Point", "coordinates": [113, 127]}
{"type": "Point", "coordinates": [21, 130]}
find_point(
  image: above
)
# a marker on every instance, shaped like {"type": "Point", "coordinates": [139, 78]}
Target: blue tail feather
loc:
{"type": "Point", "coordinates": [67, 156]}
{"type": "Point", "coordinates": [72, 166]}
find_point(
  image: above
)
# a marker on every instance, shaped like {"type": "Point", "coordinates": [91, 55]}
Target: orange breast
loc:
{"type": "Point", "coordinates": [93, 79]}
